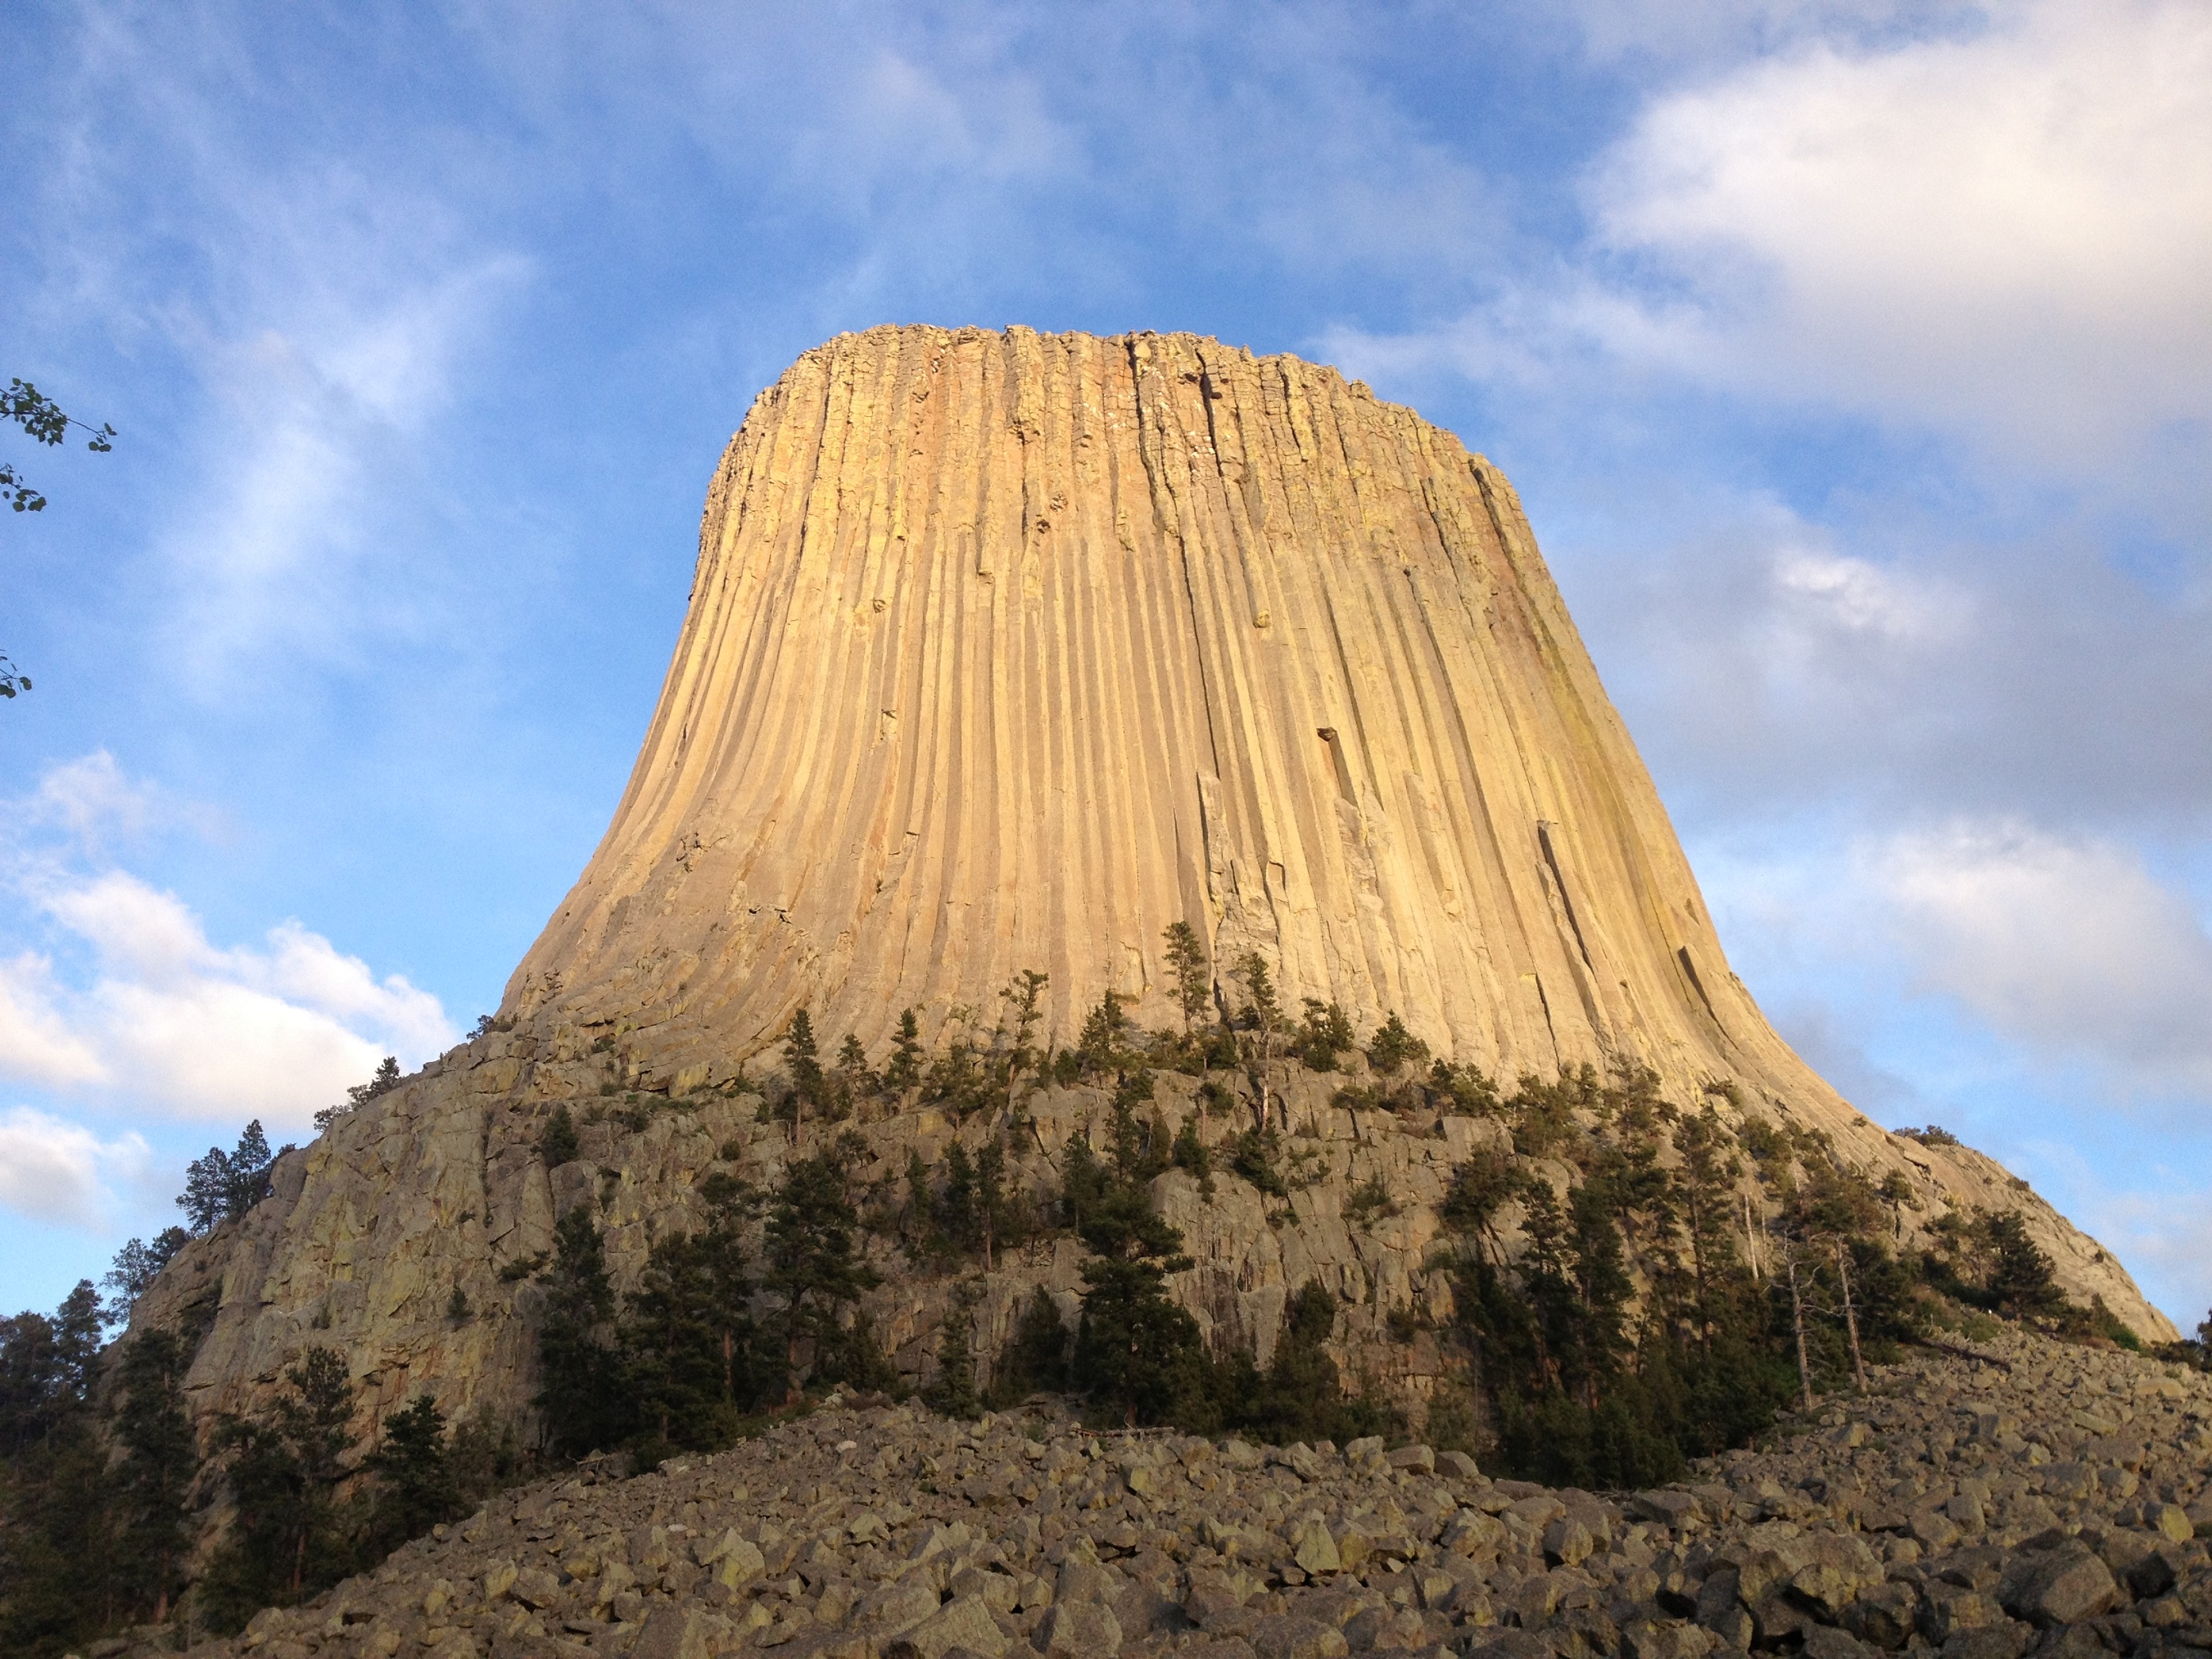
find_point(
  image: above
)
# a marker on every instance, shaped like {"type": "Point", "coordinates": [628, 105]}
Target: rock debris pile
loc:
{"type": "Point", "coordinates": [2037, 1500]}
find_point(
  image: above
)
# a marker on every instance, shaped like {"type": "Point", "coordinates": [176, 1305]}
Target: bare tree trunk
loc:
{"type": "Point", "coordinates": [1797, 1320]}
{"type": "Point", "coordinates": [1851, 1314]}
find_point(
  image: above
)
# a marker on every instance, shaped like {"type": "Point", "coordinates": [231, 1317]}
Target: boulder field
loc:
{"type": "Point", "coordinates": [2022, 1497]}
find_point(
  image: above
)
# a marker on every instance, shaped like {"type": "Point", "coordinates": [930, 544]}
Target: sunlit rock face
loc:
{"type": "Point", "coordinates": [1007, 650]}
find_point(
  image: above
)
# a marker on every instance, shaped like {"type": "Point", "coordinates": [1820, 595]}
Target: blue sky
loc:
{"type": "Point", "coordinates": [1852, 359]}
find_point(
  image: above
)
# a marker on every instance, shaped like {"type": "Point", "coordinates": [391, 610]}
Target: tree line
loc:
{"type": "Point", "coordinates": [103, 1484]}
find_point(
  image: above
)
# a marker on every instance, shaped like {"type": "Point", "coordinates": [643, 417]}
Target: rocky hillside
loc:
{"type": "Point", "coordinates": [1009, 654]}
{"type": "Point", "coordinates": [2041, 1499]}
{"type": "Point", "coordinates": [440, 1189]}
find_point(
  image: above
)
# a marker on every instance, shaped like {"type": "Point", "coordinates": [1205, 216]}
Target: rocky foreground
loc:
{"type": "Point", "coordinates": [2041, 1499]}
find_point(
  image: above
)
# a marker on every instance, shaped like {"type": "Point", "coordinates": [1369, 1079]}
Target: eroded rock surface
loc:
{"type": "Point", "coordinates": [2047, 1502]}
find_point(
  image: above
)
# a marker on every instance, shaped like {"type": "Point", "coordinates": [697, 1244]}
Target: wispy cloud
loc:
{"type": "Point", "coordinates": [62, 1173]}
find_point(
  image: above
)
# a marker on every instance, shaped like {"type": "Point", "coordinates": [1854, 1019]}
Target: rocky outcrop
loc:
{"type": "Point", "coordinates": [439, 1189]}
{"type": "Point", "coordinates": [2044, 1500]}
{"type": "Point", "coordinates": [1006, 651]}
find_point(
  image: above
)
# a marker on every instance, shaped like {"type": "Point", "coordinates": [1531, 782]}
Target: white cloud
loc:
{"type": "Point", "coordinates": [2001, 232]}
{"type": "Point", "coordinates": [90, 798]}
{"type": "Point", "coordinates": [162, 1019]}
{"type": "Point", "coordinates": [2070, 948]}
{"type": "Point", "coordinates": [56, 1171]}
{"type": "Point", "coordinates": [1859, 597]}
{"type": "Point", "coordinates": [37, 1044]}
{"type": "Point", "coordinates": [176, 1024]}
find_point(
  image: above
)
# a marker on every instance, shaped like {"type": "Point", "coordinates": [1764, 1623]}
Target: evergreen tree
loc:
{"type": "Point", "coordinates": [582, 1391]}
{"type": "Point", "coordinates": [1302, 1397]}
{"type": "Point", "coordinates": [558, 1145]}
{"type": "Point", "coordinates": [813, 1268]}
{"type": "Point", "coordinates": [995, 1205]}
{"type": "Point", "coordinates": [1327, 1034]}
{"type": "Point", "coordinates": [921, 1234]}
{"type": "Point", "coordinates": [1189, 1152]}
{"type": "Point", "coordinates": [225, 1185]}
{"type": "Point", "coordinates": [1024, 992]}
{"type": "Point", "coordinates": [1395, 1046]}
{"type": "Point", "coordinates": [1263, 1015]}
{"type": "Point", "coordinates": [804, 1067]}
{"type": "Point", "coordinates": [1035, 1357]}
{"type": "Point", "coordinates": [286, 1543]}
{"type": "Point", "coordinates": [136, 1265]}
{"type": "Point", "coordinates": [1189, 971]}
{"type": "Point", "coordinates": [690, 1349]}
{"type": "Point", "coordinates": [1140, 1357]}
{"type": "Point", "coordinates": [59, 1579]}
{"type": "Point", "coordinates": [954, 1391]}
{"type": "Point", "coordinates": [904, 1071]}
{"type": "Point", "coordinates": [853, 1080]}
{"type": "Point", "coordinates": [1103, 1045]}
{"type": "Point", "coordinates": [159, 1462]}
{"type": "Point", "coordinates": [416, 1487]}
{"type": "Point", "coordinates": [2021, 1280]}
{"type": "Point", "coordinates": [1139, 1153]}
{"type": "Point", "coordinates": [959, 1218]}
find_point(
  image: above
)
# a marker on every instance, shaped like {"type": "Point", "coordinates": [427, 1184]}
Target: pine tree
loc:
{"type": "Point", "coordinates": [1395, 1046]}
{"type": "Point", "coordinates": [222, 1186]}
{"type": "Point", "coordinates": [954, 1391]}
{"type": "Point", "coordinates": [582, 1392]}
{"type": "Point", "coordinates": [134, 1267]}
{"type": "Point", "coordinates": [1035, 1357]}
{"type": "Point", "coordinates": [1024, 992]}
{"type": "Point", "coordinates": [416, 1488]}
{"type": "Point", "coordinates": [854, 1081]}
{"type": "Point", "coordinates": [804, 1067]}
{"type": "Point", "coordinates": [159, 1462]}
{"type": "Point", "coordinates": [60, 1583]}
{"type": "Point", "coordinates": [1327, 1034]}
{"type": "Point", "coordinates": [994, 1208]}
{"type": "Point", "coordinates": [1103, 1045]}
{"type": "Point", "coordinates": [1140, 1355]}
{"type": "Point", "coordinates": [286, 1543]}
{"type": "Point", "coordinates": [1302, 1397]}
{"type": "Point", "coordinates": [959, 1220]}
{"type": "Point", "coordinates": [904, 1071]}
{"type": "Point", "coordinates": [689, 1345]}
{"type": "Point", "coordinates": [1265, 1017]}
{"type": "Point", "coordinates": [558, 1145]}
{"type": "Point", "coordinates": [921, 1235]}
{"type": "Point", "coordinates": [2022, 1279]}
{"type": "Point", "coordinates": [1189, 971]}
{"type": "Point", "coordinates": [813, 1268]}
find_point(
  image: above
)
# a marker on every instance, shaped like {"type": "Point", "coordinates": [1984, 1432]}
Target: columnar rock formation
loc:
{"type": "Point", "coordinates": [1006, 651]}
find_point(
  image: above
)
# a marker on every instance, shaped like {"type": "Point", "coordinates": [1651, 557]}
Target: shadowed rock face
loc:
{"type": "Point", "coordinates": [1006, 651]}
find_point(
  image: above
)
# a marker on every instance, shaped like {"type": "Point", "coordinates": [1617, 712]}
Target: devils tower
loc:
{"type": "Point", "coordinates": [1006, 651]}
